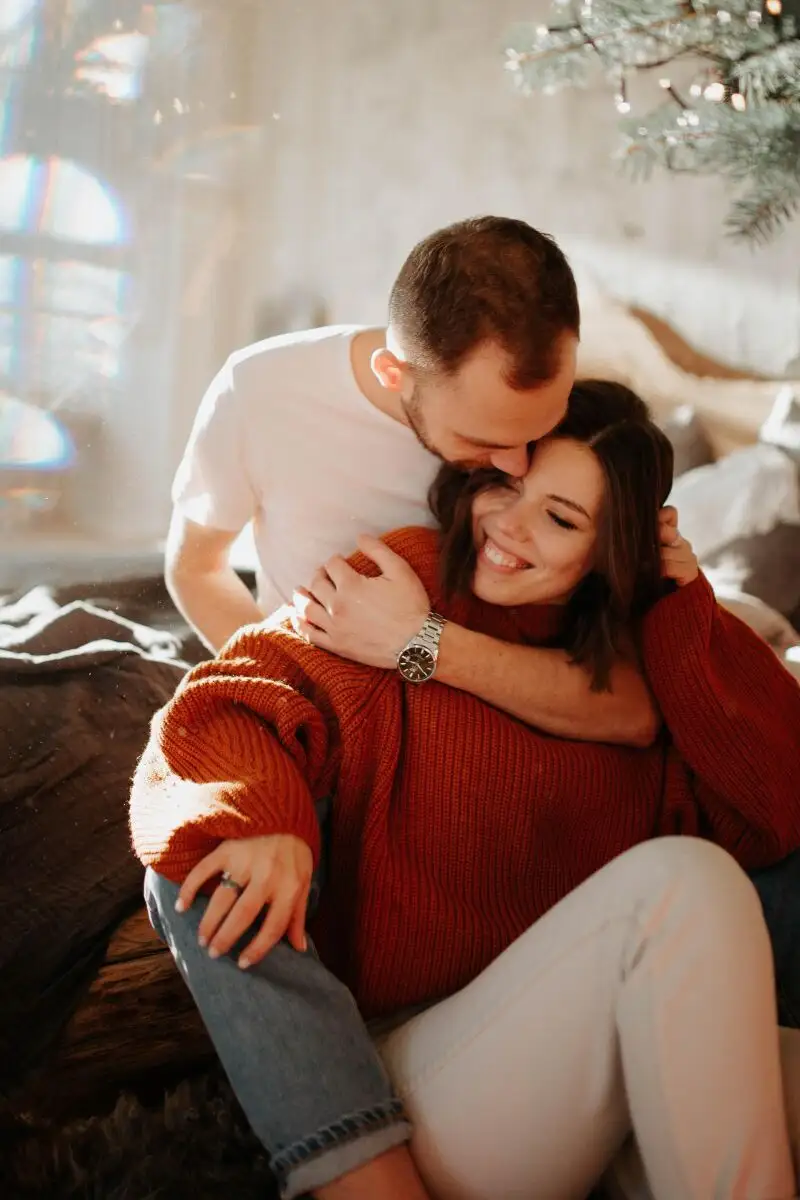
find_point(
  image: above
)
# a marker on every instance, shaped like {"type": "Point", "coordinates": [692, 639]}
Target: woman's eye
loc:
{"type": "Point", "coordinates": [562, 522]}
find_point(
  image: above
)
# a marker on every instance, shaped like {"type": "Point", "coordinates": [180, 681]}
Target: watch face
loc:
{"type": "Point", "coordinates": [416, 664]}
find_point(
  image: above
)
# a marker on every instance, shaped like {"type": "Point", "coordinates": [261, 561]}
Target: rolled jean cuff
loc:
{"type": "Point", "coordinates": [334, 1151]}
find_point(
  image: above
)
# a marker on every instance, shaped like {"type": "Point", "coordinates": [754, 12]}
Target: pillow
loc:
{"type": "Point", "coordinates": [689, 439]}
{"type": "Point", "coordinates": [776, 631]}
{"type": "Point", "coordinates": [747, 493]}
{"type": "Point", "coordinates": [615, 344]}
{"type": "Point", "coordinates": [782, 426]}
{"type": "Point", "coordinates": [765, 565]}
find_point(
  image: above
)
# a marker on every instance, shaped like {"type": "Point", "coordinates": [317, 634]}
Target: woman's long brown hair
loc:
{"type": "Point", "coordinates": [637, 463]}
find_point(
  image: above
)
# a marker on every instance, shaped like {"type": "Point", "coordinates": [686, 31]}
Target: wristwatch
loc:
{"type": "Point", "coordinates": [416, 662]}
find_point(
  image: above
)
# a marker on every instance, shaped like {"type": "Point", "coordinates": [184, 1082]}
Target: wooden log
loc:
{"type": "Point", "coordinates": [136, 1029]}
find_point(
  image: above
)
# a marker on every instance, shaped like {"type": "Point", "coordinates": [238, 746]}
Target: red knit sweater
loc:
{"type": "Point", "coordinates": [454, 825]}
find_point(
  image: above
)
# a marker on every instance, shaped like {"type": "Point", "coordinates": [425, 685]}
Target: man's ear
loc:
{"type": "Point", "coordinates": [389, 370]}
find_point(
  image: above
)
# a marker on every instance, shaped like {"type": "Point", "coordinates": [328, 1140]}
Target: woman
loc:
{"type": "Point", "coordinates": [475, 859]}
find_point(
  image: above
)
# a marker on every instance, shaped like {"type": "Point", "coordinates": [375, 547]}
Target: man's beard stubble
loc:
{"type": "Point", "coordinates": [416, 421]}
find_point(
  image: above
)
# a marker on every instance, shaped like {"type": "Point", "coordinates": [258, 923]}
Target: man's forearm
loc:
{"type": "Point", "coordinates": [543, 688]}
{"type": "Point", "coordinates": [216, 604]}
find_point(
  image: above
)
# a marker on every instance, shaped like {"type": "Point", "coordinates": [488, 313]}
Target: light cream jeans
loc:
{"type": "Point", "coordinates": [642, 1004]}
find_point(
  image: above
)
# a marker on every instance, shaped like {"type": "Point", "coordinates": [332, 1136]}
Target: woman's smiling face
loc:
{"type": "Point", "coordinates": [536, 537]}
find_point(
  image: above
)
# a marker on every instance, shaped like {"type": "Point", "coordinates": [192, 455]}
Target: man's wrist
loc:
{"type": "Point", "coordinates": [453, 654]}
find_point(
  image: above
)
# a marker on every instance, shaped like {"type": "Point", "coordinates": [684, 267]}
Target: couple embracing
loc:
{"type": "Point", "coordinates": [456, 845]}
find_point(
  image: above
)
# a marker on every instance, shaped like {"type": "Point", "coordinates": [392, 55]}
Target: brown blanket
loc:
{"type": "Point", "coordinates": [78, 686]}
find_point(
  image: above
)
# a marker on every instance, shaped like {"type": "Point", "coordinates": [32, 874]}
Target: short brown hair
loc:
{"type": "Point", "coordinates": [637, 462]}
{"type": "Point", "coordinates": [486, 279]}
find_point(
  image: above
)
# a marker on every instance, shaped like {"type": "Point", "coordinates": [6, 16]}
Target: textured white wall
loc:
{"type": "Point", "coordinates": [393, 118]}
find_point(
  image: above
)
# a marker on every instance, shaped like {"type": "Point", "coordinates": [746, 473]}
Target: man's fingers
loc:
{"type": "Point", "coordinates": [315, 636]}
{"type": "Point", "coordinates": [207, 868]}
{"type": "Point", "coordinates": [323, 593]}
{"type": "Point", "coordinates": [389, 563]}
{"type": "Point", "coordinates": [338, 571]}
{"type": "Point", "coordinates": [668, 515]}
{"type": "Point", "coordinates": [675, 564]}
{"type": "Point", "coordinates": [271, 932]}
{"type": "Point", "coordinates": [239, 919]}
{"type": "Point", "coordinates": [310, 613]}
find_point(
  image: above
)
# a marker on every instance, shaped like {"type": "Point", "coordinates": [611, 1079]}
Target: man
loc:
{"type": "Point", "coordinates": [318, 437]}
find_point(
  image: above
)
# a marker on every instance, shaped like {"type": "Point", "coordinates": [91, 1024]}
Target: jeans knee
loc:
{"type": "Point", "coordinates": [160, 895]}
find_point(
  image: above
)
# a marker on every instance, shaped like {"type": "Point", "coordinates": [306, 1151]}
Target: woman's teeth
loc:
{"type": "Point", "coordinates": [499, 558]}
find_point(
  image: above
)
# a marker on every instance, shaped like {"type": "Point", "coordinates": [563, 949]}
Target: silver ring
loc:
{"type": "Point", "coordinates": [229, 882]}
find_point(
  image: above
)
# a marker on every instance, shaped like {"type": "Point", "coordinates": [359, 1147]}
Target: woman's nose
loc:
{"type": "Point", "coordinates": [514, 522]}
{"type": "Point", "coordinates": [513, 462]}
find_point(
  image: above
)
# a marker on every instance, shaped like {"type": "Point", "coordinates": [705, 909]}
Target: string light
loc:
{"type": "Point", "coordinates": [738, 102]}
{"type": "Point", "coordinates": [715, 91]}
{"type": "Point", "coordinates": [621, 99]}
{"type": "Point", "coordinates": [724, 17]}
{"type": "Point", "coordinates": [774, 8]}
{"type": "Point", "coordinates": [696, 89]}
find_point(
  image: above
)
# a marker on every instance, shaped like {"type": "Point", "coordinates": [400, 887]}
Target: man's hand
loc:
{"type": "Point", "coordinates": [366, 620]}
{"type": "Point", "coordinates": [678, 559]}
{"type": "Point", "coordinates": [273, 872]}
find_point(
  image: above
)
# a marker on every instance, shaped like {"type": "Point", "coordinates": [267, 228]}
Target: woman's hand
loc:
{"type": "Point", "coordinates": [678, 559]}
{"type": "Point", "coordinates": [256, 872]}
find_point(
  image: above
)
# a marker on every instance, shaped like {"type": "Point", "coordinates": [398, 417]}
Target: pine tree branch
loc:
{"type": "Point", "coordinates": [757, 218]}
{"type": "Point", "coordinates": [592, 40]}
{"type": "Point", "coordinates": [749, 132]}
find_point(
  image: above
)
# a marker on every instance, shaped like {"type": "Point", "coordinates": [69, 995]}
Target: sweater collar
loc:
{"type": "Point", "coordinates": [531, 624]}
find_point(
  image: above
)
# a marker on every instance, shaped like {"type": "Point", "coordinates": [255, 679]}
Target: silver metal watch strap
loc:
{"type": "Point", "coordinates": [431, 630]}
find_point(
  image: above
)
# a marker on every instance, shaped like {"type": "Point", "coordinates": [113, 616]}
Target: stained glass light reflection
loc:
{"type": "Point", "coordinates": [32, 439]}
{"type": "Point", "coordinates": [59, 198]}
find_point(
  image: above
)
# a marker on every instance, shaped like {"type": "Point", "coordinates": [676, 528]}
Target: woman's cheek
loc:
{"type": "Point", "coordinates": [570, 556]}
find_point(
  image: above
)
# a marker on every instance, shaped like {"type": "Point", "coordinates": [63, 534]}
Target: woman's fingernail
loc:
{"type": "Point", "coordinates": [213, 952]}
{"type": "Point", "coordinates": [202, 941]}
{"type": "Point", "coordinates": [244, 963]}
{"type": "Point", "coordinates": [305, 944]}
{"type": "Point", "coordinates": [179, 905]}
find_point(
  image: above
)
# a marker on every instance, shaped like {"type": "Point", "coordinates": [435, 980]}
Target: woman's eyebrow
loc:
{"type": "Point", "coordinates": [569, 504]}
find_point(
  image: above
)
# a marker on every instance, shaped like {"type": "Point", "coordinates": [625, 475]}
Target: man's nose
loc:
{"type": "Point", "coordinates": [512, 462]}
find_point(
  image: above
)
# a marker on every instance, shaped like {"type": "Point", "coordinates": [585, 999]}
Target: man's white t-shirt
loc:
{"type": "Point", "coordinates": [285, 438]}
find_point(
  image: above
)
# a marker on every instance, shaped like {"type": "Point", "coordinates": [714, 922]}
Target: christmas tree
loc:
{"type": "Point", "coordinates": [736, 112]}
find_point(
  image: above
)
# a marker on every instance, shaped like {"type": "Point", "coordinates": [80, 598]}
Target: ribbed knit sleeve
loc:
{"type": "Point", "coordinates": [733, 712]}
{"type": "Point", "coordinates": [243, 749]}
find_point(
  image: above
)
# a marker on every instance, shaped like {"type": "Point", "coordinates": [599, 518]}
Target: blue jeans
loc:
{"type": "Point", "coordinates": [294, 1047]}
{"type": "Point", "coordinates": [779, 890]}
{"type": "Point", "coordinates": [299, 1055]}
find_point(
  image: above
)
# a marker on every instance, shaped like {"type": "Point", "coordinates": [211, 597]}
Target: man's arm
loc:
{"type": "Point", "coordinates": [543, 688]}
{"type": "Point", "coordinates": [213, 502]}
{"type": "Point", "coordinates": [203, 584]}
{"type": "Point", "coordinates": [369, 620]}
